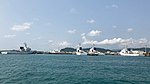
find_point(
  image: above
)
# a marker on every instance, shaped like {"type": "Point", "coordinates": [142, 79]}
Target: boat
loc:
{"type": "Point", "coordinates": [4, 52]}
{"type": "Point", "coordinates": [79, 51]}
{"type": "Point", "coordinates": [100, 53]}
{"type": "Point", "coordinates": [93, 52]}
{"type": "Point", "coordinates": [127, 52]}
{"type": "Point", "coordinates": [22, 50]}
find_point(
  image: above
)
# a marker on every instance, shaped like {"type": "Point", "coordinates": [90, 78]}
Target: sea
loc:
{"type": "Point", "coordinates": [73, 69]}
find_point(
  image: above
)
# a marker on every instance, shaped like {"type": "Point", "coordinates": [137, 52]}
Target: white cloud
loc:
{"type": "Point", "coordinates": [114, 26]}
{"type": "Point", "coordinates": [50, 41]}
{"type": "Point", "coordinates": [130, 29]}
{"type": "Point", "coordinates": [64, 44]}
{"type": "Point", "coordinates": [94, 33]}
{"type": "Point", "coordinates": [72, 31]}
{"type": "Point", "coordinates": [90, 21]}
{"type": "Point", "coordinates": [116, 41]}
{"type": "Point", "coordinates": [86, 41]}
{"type": "Point", "coordinates": [114, 6]}
{"type": "Point", "coordinates": [22, 27]}
{"type": "Point", "coordinates": [58, 45]}
{"type": "Point", "coordinates": [142, 41]}
{"type": "Point", "coordinates": [37, 38]}
{"type": "Point", "coordinates": [73, 10]}
{"type": "Point", "coordinates": [27, 33]}
{"type": "Point", "coordinates": [83, 34]}
{"type": "Point", "coordinates": [9, 36]}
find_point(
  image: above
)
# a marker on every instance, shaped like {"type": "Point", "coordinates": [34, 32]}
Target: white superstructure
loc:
{"type": "Point", "coordinates": [4, 53]}
{"type": "Point", "coordinates": [126, 52]}
{"type": "Point", "coordinates": [93, 52]}
{"type": "Point", "coordinates": [80, 51]}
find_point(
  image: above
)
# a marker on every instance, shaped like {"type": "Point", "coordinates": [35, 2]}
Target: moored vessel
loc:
{"type": "Point", "coordinates": [79, 51]}
{"type": "Point", "coordinates": [4, 52]}
{"type": "Point", "coordinates": [93, 52]}
{"type": "Point", "coordinates": [22, 50]}
{"type": "Point", "coordinates": [127, 52]}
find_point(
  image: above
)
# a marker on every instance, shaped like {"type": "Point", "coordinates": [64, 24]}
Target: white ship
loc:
{"type": "Point", "coordinates": [100, 53]}
{"type": "Point", "coordinates": [80, 51]}
{"type": "Point", "coordinates": [93, 52]}
{"type": "Point", "coordinates": [126, 52]}
{"type": "Point", "coordinates": [4, 52]}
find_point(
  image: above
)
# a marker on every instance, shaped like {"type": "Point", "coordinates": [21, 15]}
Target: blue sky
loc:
{"type": "Point", "coordinates": [53, 24]}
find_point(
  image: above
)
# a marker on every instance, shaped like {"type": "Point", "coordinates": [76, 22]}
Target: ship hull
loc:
{"type": "Point", "coordinates": [79, 53]}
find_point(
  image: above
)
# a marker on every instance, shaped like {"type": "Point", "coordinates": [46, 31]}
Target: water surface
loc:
{"type": "Point", "coordinates": [72, 69]}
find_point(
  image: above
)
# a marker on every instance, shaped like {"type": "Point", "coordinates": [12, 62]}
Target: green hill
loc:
{"type": "Point", "coordinates": [85, 49]}
{"type": "Point", "coordinates": [69, 49]}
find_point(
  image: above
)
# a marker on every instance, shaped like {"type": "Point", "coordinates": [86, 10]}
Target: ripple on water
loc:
{"type": "Point", "coordinates": [49, 69]}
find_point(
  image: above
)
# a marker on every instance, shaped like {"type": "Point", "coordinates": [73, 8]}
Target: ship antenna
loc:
{"type": "Point", "coordinates": [145, 48]}
{"type": "Point", "coordinates": [25, 45]}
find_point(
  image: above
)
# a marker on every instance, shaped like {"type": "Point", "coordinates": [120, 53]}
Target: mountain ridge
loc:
{"type": "Point", "coordinates": [70, 49]}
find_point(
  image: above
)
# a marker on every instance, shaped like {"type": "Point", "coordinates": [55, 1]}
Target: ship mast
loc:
{"type": "Point", "coordinates": [145, 48]}
{"type": "Point", "coordinates": [25, 44]}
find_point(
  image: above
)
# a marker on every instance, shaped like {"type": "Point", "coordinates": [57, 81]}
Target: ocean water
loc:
{"type": "Point", "coordinates": [72, 69]}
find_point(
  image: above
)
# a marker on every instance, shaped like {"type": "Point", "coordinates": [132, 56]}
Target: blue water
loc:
{"type": "Point", "coordinates": [72, 69]}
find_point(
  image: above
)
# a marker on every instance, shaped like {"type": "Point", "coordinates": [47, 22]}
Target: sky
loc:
{"type": "Point", "coordinates": [56, 24]}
